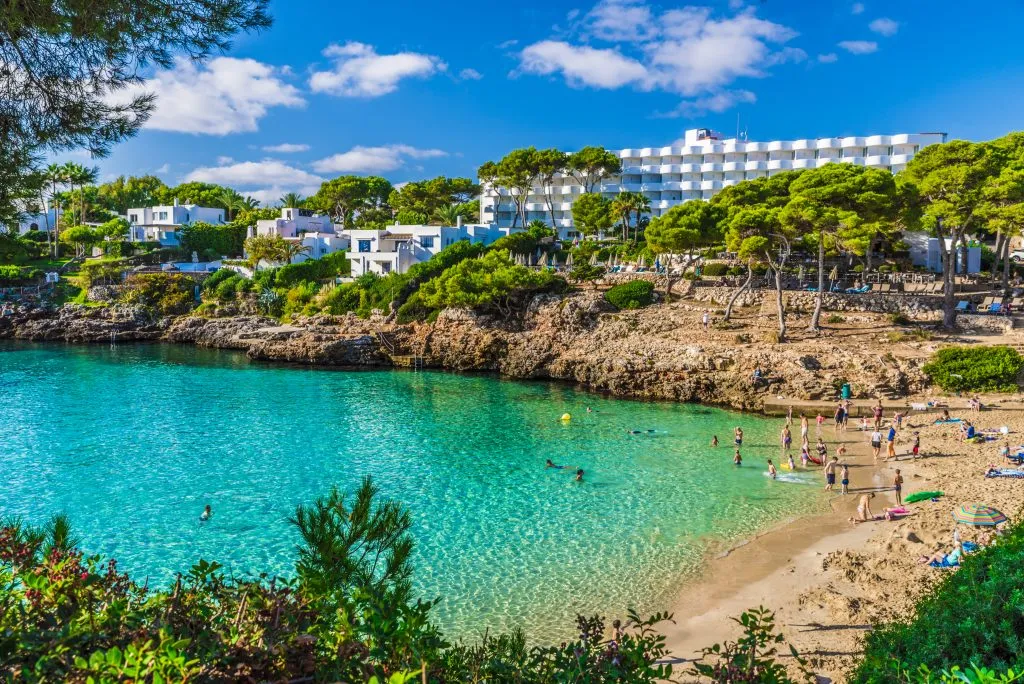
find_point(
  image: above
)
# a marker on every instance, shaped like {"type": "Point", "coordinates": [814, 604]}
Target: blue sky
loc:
{"type": "Point", "coordinates": [410, 90]}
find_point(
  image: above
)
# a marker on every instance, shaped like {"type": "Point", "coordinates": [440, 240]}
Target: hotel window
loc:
{"type": "Point", "coordinates": [427, 241]}
{"type": "Point", "coordinates": [364, 245]}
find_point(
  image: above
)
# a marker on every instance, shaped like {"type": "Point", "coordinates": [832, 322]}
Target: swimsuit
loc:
{"type": "Point", "coordinates": [830, 478]}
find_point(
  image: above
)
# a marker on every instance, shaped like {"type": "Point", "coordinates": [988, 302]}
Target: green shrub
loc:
{"type": "Point", "coordinates": [413, 309]}
{"type": "Point", "coordinates": [835, 318]}
{"type": "Point", "coordinates": [224, 240]}
{"type": "Point", "coordinates": [632, 295]}
{"type": "Point", "coordinates": [168, 294]}
{"type": "Point", "coordinates": [102, 272]}
{"type": "Point", "coordinates": [493, 281]}
{"type": "Point", "coordinates": [973, 616]}
{"type": "Point", "coordinates": [228, 289]}
{"type": "Point", "coordinates": [296, 299]}
{"type": "Point", "coordinates": [217, 277]}
{"type": "Point", "coordinates": [716, 269]}
{"type": "Point", "coordinates": [736, 271]}
{"type": "Point", "coordinates": [312, 270]}
{"type": "Point", "coordinates": [975, 369]}
{"type": "Point", "coordinates": [10, 275]}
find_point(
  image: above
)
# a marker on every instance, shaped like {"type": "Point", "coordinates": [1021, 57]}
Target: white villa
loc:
{"type": "Point", "coordinates": [398, 247]}
{"type": "Point", "coordinates": [160, 224]}
{"type": "Point", "coordinates": [699, 167]}
{"type": "Point", "coordinates": [40, 221]}
{"type": "Point", "coordinates": [318, 233]}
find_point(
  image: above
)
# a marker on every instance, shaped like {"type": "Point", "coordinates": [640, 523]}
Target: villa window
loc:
{"type": "Point", "coordinates": [364, 245]}
{"type": "Point", "coordinates": [427, 241]}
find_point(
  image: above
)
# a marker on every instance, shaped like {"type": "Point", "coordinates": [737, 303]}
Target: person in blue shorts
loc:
{"type": "Point", "coordinates": [738, 436]}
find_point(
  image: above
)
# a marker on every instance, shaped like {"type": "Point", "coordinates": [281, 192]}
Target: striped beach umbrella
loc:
{"type": "Point", "coordinates": [977, 514]}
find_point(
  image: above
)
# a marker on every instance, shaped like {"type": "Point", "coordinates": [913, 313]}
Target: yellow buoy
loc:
{"type": "Point", "coordinates": [566, 417]}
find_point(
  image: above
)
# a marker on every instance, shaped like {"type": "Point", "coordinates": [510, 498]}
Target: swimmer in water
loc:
{"type": "Point", "coordinates": [579, 475]}
{"type": "Point", "coordinates": [737, 459]}
{"type": "Point", "coordinates": [550, 464]}
{"type": "Point", "coordinates": [207, 513]}
{"type": "Point", "coordinates": [714, 440]}
{"type": "Point", "coordinates": [771, 469]}
{"type": "Point", "coordinates": [590, 410]}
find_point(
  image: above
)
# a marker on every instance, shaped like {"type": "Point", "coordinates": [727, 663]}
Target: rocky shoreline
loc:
{"type": "Point", "coordinates": [660, 352]}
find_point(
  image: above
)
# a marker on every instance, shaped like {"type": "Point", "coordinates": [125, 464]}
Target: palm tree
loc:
{"type": "Point", "coordinates": [292, 199]}
{"type": "Point", "coordinates": [230, 200]}
{"type": "Point", "coordinates": [79, 175]}
{"type": "Point", "coordinates": [448, 214]}
{"type": "Point", "coordinates": [290, 250]}
{"type": "Point", "coordinates": [249, 203]}
{"type": "Point", "coordinates": [622, 206]}
{"type": "Point", "coordinates": [54, 175]}
{"type": "Point", "coordinates": [641, 205]}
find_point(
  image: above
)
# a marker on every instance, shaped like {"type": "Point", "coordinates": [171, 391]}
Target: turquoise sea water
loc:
{"type": "Point", "coordinates": [133, 441]}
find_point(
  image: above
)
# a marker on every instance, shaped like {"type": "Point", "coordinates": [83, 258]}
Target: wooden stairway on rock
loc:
{"type": "Point", "coordinates": [413, 361]}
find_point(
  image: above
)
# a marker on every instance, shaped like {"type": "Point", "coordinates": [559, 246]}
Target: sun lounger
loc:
{"type": "Point", "coordinates": [916, 406]}
{"type": "Point", "coordinates": [986, 304]}
{"type": "Point", "coordinates": [963, 306]}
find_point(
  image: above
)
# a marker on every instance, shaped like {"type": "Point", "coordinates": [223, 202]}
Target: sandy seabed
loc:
{"type": "Point", "coordinates": [829, 580]}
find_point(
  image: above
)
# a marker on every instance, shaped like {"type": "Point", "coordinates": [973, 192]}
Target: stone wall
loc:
{"type": "Point", "coordinates": [919, 307]}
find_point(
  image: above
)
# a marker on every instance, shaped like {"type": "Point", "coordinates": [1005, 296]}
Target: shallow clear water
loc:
{"type": "Point", "coordinates": [133, 441]}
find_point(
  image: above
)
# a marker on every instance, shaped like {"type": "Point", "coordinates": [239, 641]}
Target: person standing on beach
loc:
{"type": "Point", "coordinates": [890, 447]}
{"type": "Point", "coordinates": [822, 451]}
{"type": "Point", "coordinates": [705, 320]}
{"type": "Point", "coordinates": [786, 438]}
{"type": "Point", "coordinates": [737, 438]}
{"type": "Point", "coordinates": [916, 449]}
{"type": "Point", "coordinates": [876, 443]}
{"type": "Point", "coordinates": [877, 412]}
{"type": "Point", "coordinates": [819, 422]}
{"type": "Point", "coordinates": [830, 474]}
{"type": "Point", "coordinates": [897, 420]}
{"type": "Point", "coordinates": [789, 415]}
{"type": "Point", "coordinates": [846, 479]}
{"type": "Point", "coordinates": [897, 486]}
{"type": "Point", "coordinates": [803, 427]}
{"type": "Point", "coordinates": [805, 455]}
{"type": "Point", "coordinates": [840, 418]}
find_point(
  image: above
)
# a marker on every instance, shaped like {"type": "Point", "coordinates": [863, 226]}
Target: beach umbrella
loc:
{"type": "Point", "coordinates": [642, 262]}
{"type": "Point", "coordinates": [554, 261]}
{"type": "Point", "coordinates": [568, 261]}
{"type": "Point", "coordinates": [977, 514]}
{"type": "Point", "coordinates": [834, 273]}
{"type": "Point", "coordinates": [593, 259]}
{"type": "Point", "coordinates": [543, 262]}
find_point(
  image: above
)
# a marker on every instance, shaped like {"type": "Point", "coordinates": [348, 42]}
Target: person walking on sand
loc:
{"type": "Point", "coordinates": [771, 469]}
{"type": "Point", "coordinates": [705, 320]}
{"type": "Point", "coordinates": [846, 479]}
{"type": "Point", "coordinates": [786, 438]}
{"type": "Point", "coordinates": [840, 417]}
{"type": "Point", "coordinates": [803, 426]}
{"type": "Point", "coordinates": [897, 486]}
{"type": "Point", "coordinates": [890, 447]}
{"type": "Point", "coordinates": [877, 412]}
{"type": "Point", "coordinates": [830, 474]}
{"type": "Point", "coordinates": [876, 443]}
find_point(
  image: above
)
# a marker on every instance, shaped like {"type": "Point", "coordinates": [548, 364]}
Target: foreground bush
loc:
{"type": "Point", "coordinates": [975, 616]}
{"type": "Point", "coordinates": [632, 295]}
{"type": "Point", "coordinates": [975, 369]}
{"type": "Point", "coordinates": [347, 615]}
{"type": "Point", "coordinates": [168, 294]}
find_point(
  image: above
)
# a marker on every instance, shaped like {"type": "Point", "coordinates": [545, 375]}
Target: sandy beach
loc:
{"type": "Point", "coordinates": [829, 580]}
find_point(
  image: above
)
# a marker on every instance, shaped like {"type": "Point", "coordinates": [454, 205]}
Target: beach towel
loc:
{"type": "Point", "coordinates": [944, 563]}
{"type": "Point", "coordinates": [970, 547]}
{"type": "Point", "coordinates": [939, 421]}
{"type": "Point", "coordinates": [1006, 472]}
{"type": "Point", "coordinates": [921, 496]}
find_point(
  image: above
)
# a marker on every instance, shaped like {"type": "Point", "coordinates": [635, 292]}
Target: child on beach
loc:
{"type": "Point", "coordinates": [714, 440]}
{"type": "Point", "coordinates": [916, 448]}
{"type": "Point", "coordinates": [771, 469]}
{"type": "Point", "coordinates": [792, 465]}
{"type": "Point", "coordinates": [863, 423]}
{"type": "Point", "coordinates": [804, 455]}
{"type": "Point", "coordinates": [737, 460]}
{"type": "Point", "coordinates": [846, 479]}
{"type": "Point", "coordinates": [897, 486]}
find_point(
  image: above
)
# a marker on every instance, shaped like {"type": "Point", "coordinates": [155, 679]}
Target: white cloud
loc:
{"type": "Point", "coordinates": [360, 72]}
{"type": "Point", "coordinates": [859, 47]}
{"type": "Point", "coordinates": [505, 45]}
{"type": "Point", "coordinates": [285, 148]}
{"type": "Point", "coordinates": [266, 173]}
{"type": "Point", "coordinates": [224, 161]}
{"type": "Point", "coordinates": [582, 65]}
{"type": "Point", "coordinates": [270, 197]}
{"type": "Point", "coordinates": [374, 159]}
{"type": "Point", "coordinates": [858, 8]}
{"type": "Point", "coordinates": [227, 96]}
{"type": "Point", "coordinates": [165, 168]}
{"type": "Point", "coordinates": [686, 51]}
{"type": "Point", "coordinates": [470, 75]}
{"type": "Point", "coordinates": [715, 102]}
{"type": "Point", "coordinates": [828, 58]}
{"type": "Point", "coordinates": [884, 26]}
{"type": "Point", "coordinates": [735, 4]}
{"type": "Point", "coordinates": [620, 20]}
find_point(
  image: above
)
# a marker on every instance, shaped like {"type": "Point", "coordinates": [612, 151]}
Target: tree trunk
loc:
{"type": "Point", "coordinates": [816, 316]}
{"type": "Point", "coordinates": [778, 302]}
{"type": "Point", "coordinates": [1006, 264]}
{"type": "Point", "coordinates": [948, 256]}
{"type": "Point", "coordinates": [867, 258]}
{"type": "Point", "coordinates": [1000, 238]}
{"type": "Point", "coordinates": [736, 295]}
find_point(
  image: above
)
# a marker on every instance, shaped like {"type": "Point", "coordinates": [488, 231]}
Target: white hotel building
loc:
{"type": "Point", "coordinates": [702, 166]}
